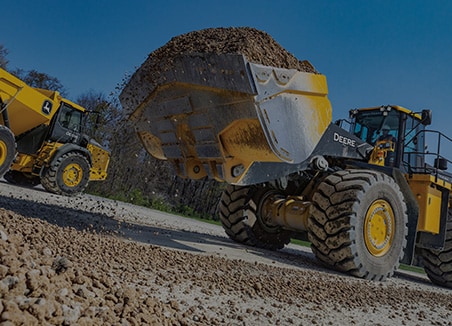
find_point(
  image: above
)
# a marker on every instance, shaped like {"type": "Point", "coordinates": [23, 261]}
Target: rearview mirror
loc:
{"type": "Point", "coordinates": [426, 117]}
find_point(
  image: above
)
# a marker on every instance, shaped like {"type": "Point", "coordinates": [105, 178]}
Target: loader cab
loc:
{"type": "Point", "coordinates": [397, 134]}
{"type": "Point", "coordinates": [66, 125]}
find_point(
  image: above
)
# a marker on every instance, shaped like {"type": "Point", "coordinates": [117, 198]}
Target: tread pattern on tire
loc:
{"type": "Point", "coordinates": [8, 138]}
{"type": "Point", "coordinates": [50, 178]}
{"type": "Point", "coordinates": [438, 263]}
{"type": "Point", "coordinates": [333, 220]}
{"type": "Point", "coordinates": [236, 209]}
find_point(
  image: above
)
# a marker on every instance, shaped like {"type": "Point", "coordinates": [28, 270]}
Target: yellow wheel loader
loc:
{"type": "Point", "coordinates": [42, 140]}
{"type": "Point", "coordinates": [365, 198]}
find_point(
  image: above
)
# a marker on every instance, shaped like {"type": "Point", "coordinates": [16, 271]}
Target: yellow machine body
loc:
{"type": "Point", "coordinates": [29, 108]}
{"type": "Point", "coordinates": [428, 184]}
{"type": "Point", "coordinates": [427, 190]}
{"type": "Point", "coordinates": [239, 117]}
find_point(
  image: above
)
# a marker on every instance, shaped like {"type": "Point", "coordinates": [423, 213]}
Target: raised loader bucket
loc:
{"type": "Point", "coordinates": [220, 116]}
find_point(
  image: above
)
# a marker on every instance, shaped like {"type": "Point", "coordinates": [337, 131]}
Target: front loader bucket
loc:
{"type": "Point", "coordinates": [220, 116]}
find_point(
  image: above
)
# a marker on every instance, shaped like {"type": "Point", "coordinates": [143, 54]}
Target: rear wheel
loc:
{"type": "Point", "coordinates": [7, 149]}
{"type": "Point", "coordinates": [358, 223]}
{"type": "Point", "coordinates": [68, 175]}
{"type": "Point", "coordinates": [438, 263]}
{"type": "Point", "coordinates": [242, 214]}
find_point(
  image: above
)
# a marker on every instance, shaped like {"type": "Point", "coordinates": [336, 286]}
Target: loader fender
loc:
{"type": "Point", "coordinates": [66, 148]}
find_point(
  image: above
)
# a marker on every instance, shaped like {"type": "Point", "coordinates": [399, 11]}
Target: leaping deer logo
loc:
{"type": "Point", "coordinates": [47, 107]}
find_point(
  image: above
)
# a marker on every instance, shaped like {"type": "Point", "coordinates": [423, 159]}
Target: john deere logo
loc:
{"type": "Point", "coordinates": [46, 107]}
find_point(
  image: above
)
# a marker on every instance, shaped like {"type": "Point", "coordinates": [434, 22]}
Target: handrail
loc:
{"type": "Point", "coordinates": [436, 154]}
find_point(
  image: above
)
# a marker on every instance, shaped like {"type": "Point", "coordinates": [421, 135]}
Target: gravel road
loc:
{"type": "Point", "coordinates": [93, 261]}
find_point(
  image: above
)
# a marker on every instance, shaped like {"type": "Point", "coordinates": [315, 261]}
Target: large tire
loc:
{"type": "Point", "coordinates": [21, 179]}
{"type": "Point", "coordinates": [67, 175]}
{"type": "Point", "coordinates": [7, 149]}
{"type": "Point", "coordinates": [438, 263]}
{"type": "Point", "coordinates": [240, 211]}
{"type": "Point", "coordinates": [358, 223]}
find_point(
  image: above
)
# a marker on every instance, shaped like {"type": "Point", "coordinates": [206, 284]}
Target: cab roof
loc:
{"type": "Point", "coordinates": [389, 108]}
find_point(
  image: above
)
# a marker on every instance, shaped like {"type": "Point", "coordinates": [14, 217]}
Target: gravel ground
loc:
{"type": "Point", "coordinates": [91, 261]}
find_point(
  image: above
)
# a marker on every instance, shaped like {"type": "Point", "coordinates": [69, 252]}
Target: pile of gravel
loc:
{"type": "Point", "coordinates": [257, 46]}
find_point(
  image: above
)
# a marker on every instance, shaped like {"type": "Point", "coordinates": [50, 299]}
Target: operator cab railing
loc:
{"type": "Point", "coordinates": [431, 162]}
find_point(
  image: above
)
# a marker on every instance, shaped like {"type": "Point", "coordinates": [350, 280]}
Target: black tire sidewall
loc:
{"type": "Point", "coordinates": [248, 227]}
{"type": "Point", "coordinates": [437, 263]}
{"type": "Point", "coordinates": [266, 237]}
{"type": "Point", "coordinates": [84, 165]}
{"type": "Point", "coordinates": [8, 138]}
{"type": "Point", "coordinates": [388, 192]}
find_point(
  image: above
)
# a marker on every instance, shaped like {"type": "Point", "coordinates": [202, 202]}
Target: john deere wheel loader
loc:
{"type": "Point", "coordinates": [366, 202]}
{"type": "Point", "coordinates": [42, 140]}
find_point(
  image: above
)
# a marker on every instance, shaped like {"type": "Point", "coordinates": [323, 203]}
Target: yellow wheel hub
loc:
{"type": "Point", "coordinates": [3, 152]}
{"type": "Point", "coordinates": [379, 228]}
{"type": "Point", "coordinates": [72, 175]}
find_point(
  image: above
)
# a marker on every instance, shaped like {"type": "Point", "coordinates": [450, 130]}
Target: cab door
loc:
{"type": "Point", "coordinates": [414, 145]}
{"type": "Point", "coordinates": [66, 126]}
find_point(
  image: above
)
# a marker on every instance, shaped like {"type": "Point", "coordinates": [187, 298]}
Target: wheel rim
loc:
{"type": "Point", "coordinates": [72, 175]}
{"type": "Point", "coordinates": [379, 228]}
{"type": "Point", "coordinates": [264, 211]}
{"type": "Point", "coordinates": [3, 152]}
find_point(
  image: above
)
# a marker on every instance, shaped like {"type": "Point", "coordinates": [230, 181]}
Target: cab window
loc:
{"type": "Point", "coordinates": [371, 126]}
{"type": "Point", "coordinates": [70, 118]}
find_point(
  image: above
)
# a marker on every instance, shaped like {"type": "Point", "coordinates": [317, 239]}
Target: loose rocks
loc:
{"type": "Point", "coordinates": [52, 274]}
{"type": "Point", "coordinates": [257, 46]}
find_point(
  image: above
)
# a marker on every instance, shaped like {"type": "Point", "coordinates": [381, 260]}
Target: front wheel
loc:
{"type": "Point", "coordinates": [7, 149]}
{"type": "Point", "coordinates": [67, 175]}
{"type": "Point", "coordinates": [358, 223]}
{"type": "Point", "coordinates": [242, 214]}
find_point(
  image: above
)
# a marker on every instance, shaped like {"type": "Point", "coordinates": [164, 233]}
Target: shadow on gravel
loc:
{"type": "Point", "coordinates": [106, 224]}
{"type": "Point", "coordinates": [103, 224]}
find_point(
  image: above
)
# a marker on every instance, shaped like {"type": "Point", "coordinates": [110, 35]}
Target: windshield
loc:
{"type": "Point", "coordinates": [373, 126]}
{"type": "Point", "coordinates": [70, 118]}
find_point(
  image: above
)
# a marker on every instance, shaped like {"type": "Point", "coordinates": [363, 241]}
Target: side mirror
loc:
{"type": "Point", "coordinates": [426, 117]}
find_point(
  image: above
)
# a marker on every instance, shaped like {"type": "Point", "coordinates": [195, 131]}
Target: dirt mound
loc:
{"type": "Point", "coordinates": [257, 46]}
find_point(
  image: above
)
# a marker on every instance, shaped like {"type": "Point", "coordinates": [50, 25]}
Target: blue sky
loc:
{"type": "Point", "coordinates": [372, 52]}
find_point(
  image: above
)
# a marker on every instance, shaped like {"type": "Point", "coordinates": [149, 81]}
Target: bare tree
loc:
{"type": "Point", "coordinates": [38, 79]}
{"type": "Point", "coordinates": [3, 54]}
{"type": "Point", "coordinates": [101, 114]}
